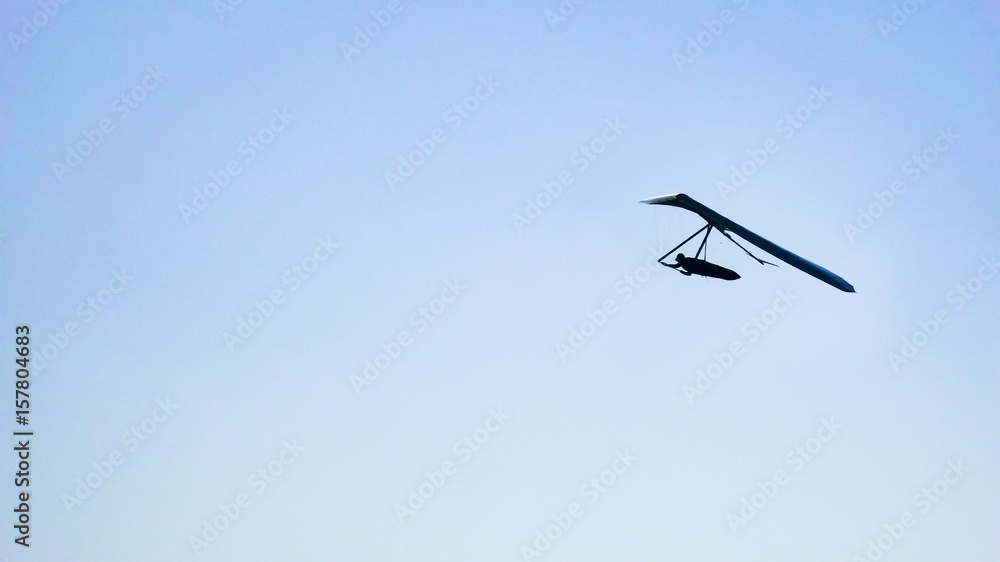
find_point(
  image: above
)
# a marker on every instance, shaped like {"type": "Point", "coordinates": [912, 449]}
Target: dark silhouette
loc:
{"type": "Point", "coordinates": [689, 266]}
{"type": "Point", "coordinates": [722, 224]}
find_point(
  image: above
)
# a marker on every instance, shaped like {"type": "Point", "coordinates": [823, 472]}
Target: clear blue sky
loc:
{"type": "Point", "coordinates": [259, 333]}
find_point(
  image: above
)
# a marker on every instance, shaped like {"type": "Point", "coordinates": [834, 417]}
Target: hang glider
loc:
{"type": "Point", "coordinates": [722, 224]}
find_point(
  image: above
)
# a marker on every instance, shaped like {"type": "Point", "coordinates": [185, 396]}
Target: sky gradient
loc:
{"type": "Point", "coordinates": [371, 281]}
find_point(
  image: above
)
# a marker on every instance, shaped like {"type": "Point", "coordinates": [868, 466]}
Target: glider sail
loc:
{"type": "Point", "coordinates": [723, 224]}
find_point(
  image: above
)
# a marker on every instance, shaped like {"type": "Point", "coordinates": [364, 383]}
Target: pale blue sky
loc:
{"type": "Point", "coordinates": [344, 457]}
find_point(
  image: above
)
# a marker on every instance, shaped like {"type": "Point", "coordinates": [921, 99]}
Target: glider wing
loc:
{"type": "Point", "coordinates": [723, 224]}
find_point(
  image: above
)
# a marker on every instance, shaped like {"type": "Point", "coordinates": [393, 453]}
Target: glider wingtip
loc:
{"type": "Point", "coordinates": [663, 199]}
